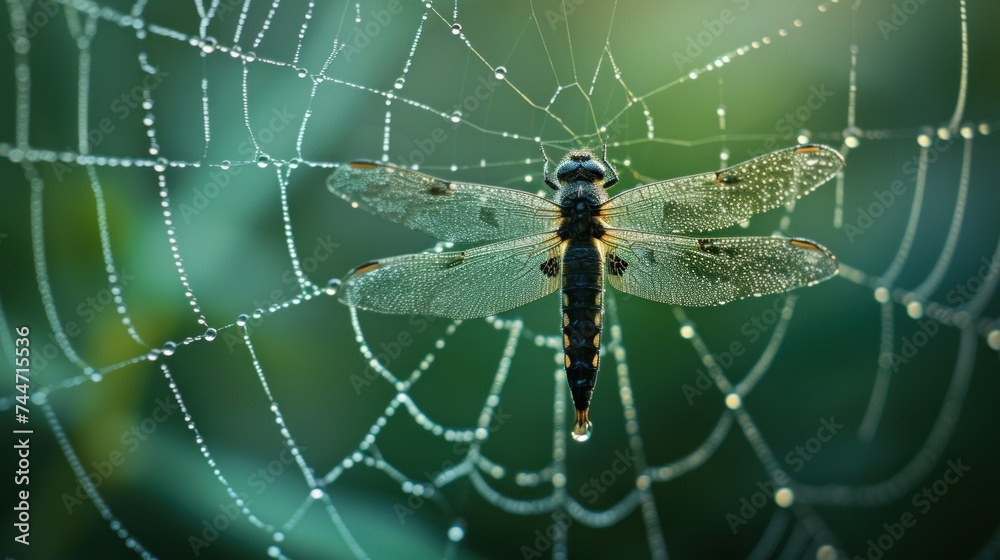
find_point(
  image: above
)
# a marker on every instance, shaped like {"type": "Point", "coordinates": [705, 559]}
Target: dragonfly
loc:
{"type": "Point", "coordinates": [643, 241]}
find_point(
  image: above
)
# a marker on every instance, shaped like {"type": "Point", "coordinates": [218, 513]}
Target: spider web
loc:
{"type": "Point", "coordinates": [168, 239]}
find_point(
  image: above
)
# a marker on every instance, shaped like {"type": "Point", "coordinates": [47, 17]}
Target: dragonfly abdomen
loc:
{"type": "Point", "coordinates": [583, 307]}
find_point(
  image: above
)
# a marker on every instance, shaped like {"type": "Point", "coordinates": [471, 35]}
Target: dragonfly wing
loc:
{"type": "Point", "coordinates": [697, 272]}
{"type": "Point", "coordinates": [716, 200]}
{"type": "Point", "coordinates": [460, 285]}
{"type": "Point", "coordinates": [449, 211]}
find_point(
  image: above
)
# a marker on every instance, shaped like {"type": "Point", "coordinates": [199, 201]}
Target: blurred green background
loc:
{"type": "Point", "coordinates": [230, 232]}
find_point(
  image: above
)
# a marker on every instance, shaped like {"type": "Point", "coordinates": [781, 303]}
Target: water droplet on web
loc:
{"type": "Point", "coordinates": [803, 136]}
{"type": "Point", "coordinates": [302, 73]}
{"type": "Point", "coordinates": [169, 347]}
{"type": "Point", "coordinates": [332, 286]}
{"type": "Point", "coordinates": [852, 136]}
{"type": "Point", "coordinates": [943, 133]}
{"type": "Point", "coordinates": [399, 83]}
{"type": "Point", "coordinates": [236, 51]}
{"type": "Point", "coordinates": [984, 128]}
{"type": "Point", "coordinates": [456, 28]}
{"type": "Point", "coordinates": [457, 530]}
{"type": "Point", "coordinates": [456, 116]}
{"type": "Point", "coordinates": [733, 401]}
{"type": "Point", "coordinates": [784, 497]}
{"type": "Point", "coordinates": [993, 339]}
{"type": "Point", "coordinates": [225, 164]}
{"type": "Point", "coordinates": [724, 155]}
{"type": "Point", "coordinates": [721, 111]}
{"type": "Point", "coordinates": [263, 160]}
{"type": "Point", "coordinates": [500, 73]}
{"type": "Point", "coordinates": [583, 436]}
{"type": "Point", "coordinates": [294, 163]}
{"type": "Point", "coordinates": [160, 165]}
{"type": "Point", "coordinates": [924, 137]}
{"type": "Point", "coordinates": [241, 321]}
{"type": "Point", "coordinates": [210, 334]}
{"type": "Point", "coordinates": [208, 45]}
{"type": "Point", "coordinates": [687, 330]}
{"type": "Point", "coordinates": [250, 56]}
{"type": "Point", "coordinates": [967, 131]}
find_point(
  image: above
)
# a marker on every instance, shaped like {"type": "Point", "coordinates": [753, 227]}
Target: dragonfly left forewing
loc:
{"type": "Point", "coordinates": [697, 272]}
{"type": "Point", "coordinates": [478, 282]}
{"type": "Point", "coordinates": [720, 199]}
{"type": "Point", "coordinates": [445, 210]}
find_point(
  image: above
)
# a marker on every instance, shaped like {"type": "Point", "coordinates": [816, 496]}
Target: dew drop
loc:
{"type": "Point", "coordinates": [924, 138]}
{"type": "Point", "coordinates": [456, 116]}
{"type": "Point", "coordinates": [210, 334]}
{"type": "Point", "coordinates": [225, 164]}
{"type": "Point", "coordinates": [852, 136]}
{"type": "Point", "coordinates": [241, 321]}
{"type": "Point", "coordinates": [993, 339]}
{"type": "Point", "coordinates": [399, 83]}
{"type": "Point", "coordinates": [302, 73]}
{"type": "Point", "coordinates": [263, 160]}
{"type": "Point", "coordinates": [332, 286]}
{"type": "Point", "coordinates": [457, 531]}
{"type": "Point", "coordinates": [160, 165]}
{"type": "Point", "coordinates": [687, 330]}
{"type": "Point", "coordinates": [724, 155]}
{"type": "Point", "coordinates": [784, 497]}
{"type": "Point", "coordinates": [208, 45]}
{"type": "Point", "coordinates": [169, 347]}
{"type": "Point", "coordinates": [804, 136]}
{"type": "Point", "coordinates": [456, 28]}
{"type": "Point", "coordinates": [584, 435]}
{"type": "Point", "coordinates": [500, 73]}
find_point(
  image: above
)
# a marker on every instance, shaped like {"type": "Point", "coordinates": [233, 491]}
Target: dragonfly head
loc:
{"type": "Point", "coordinates": [581, 166]}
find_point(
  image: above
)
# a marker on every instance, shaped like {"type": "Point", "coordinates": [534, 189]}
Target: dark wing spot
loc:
{"type": "Point", "coordinates": [616, 265]}
{"type": "Point", "coordinates": [550, 267]}
{"type": "Point", "coordinates": [708, 246]}
{"type": "Point", "coordinates": [489, 216]}
{"type": "Point", "coordinates": [441, 189]}
{"type": "Point", "coordinates": [727, 178]}
{"type": "Point", "coordinates": [456, 261]}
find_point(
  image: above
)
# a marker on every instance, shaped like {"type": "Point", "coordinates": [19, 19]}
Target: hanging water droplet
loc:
{"type": "Point", "coordinates": [236, 51]}
{"type": "Point", "coordinates": [169, 347]}
{"type": "Point", "coordinates": [225, 164]}
{"type": "Point", "coordinates": [582, 434]}
{"type": "Point", "coordinates": [208, 45]}
{"type": "Point", "coordinates": [456, 116]}
{"type": "Point", "coordinates": [724, 155]}
{"type": "Point", "coordinates": [302, 73]}
{"type": "Point", "coordinates": [294, 163]}
{"type": "Point", "coordinates": [210, 334]}
{"type": "Point", "coordinates": [457, 530]}
{"type": "Point", "coordinates": [250, 56]}
{"type": "Point", "coordinates": [803, 136]}
{"type": "Point", "coordinates": [241, 321]}
{"type": "Point", "coordinates": [852, 136]}
{"type": "Point", "coordinates": [332, 286]}
{"type": "Point", "coordinates": [263, 160]}
{"type": "Point", "coordinates": [721, 111]}
{"type": "Point", "coordinates": [456, 28]}
{"type": "Point", "coordinates": [399, 83]}
{"type": "Point", "coordinates": [500, 73]}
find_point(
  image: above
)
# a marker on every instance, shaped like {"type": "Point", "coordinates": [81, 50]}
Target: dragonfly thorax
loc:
{"type": "Point", "coordinates": [580, 204]}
